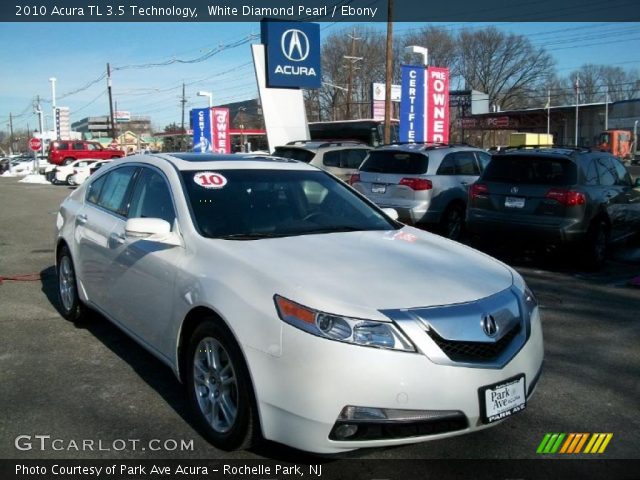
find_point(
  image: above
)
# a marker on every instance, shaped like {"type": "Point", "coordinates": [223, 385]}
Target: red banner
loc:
{"type": "Point", "coordinates": [220, 130]}
{"type": "Point", "coordinates": [437, 105]}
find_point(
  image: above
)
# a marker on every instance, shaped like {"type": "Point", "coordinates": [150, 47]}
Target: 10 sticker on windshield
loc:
{"type": "Point", "coordinates": [209, 180]}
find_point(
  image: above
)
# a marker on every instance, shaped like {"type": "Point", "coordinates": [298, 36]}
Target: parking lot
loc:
{"type": "Point", "coordinates": [91, 381]}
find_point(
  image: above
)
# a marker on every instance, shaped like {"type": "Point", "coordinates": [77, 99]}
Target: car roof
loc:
{"type": "Point", "coordinates": [426, 147]}
{"type": "Point", "coordinates": [213, 161]}
{"type": "Point", "coordinates": [548, 152]}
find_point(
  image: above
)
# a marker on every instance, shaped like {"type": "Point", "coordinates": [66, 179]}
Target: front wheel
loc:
{"type": "Point", "coordinates": [219, 388]}
{"type": "Point", "coordinates": [452, 223]}
{"type": "Point", "coordinates": [70, 180]}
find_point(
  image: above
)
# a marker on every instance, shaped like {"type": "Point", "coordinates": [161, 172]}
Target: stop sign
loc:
{"type": "Point", "coordinates": [35, 144]}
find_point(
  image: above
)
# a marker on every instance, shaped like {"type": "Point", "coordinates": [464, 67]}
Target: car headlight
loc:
{"type": "Point", "coordinates": [368, 333]}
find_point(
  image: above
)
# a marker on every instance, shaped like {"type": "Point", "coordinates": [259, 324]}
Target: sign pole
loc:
{"type": "Point", "coordinates": [389, 74]}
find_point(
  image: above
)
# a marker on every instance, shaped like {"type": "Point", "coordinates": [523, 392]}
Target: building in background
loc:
{"type": "Point", "coordinates": [99, 127]}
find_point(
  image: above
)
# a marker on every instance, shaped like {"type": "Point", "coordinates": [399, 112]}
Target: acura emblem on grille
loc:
{"type": "Point", "coordinates": [489, 325]}
{"type": "Point", "coordinates": [514, 189]}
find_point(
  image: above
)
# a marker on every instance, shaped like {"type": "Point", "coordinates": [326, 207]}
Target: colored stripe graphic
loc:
{"type": "Point", "coordinates": [572, 443]}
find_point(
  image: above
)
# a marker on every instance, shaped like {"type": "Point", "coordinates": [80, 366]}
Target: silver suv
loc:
{"type": "Point", "coordinates": [425, 184]}
{"type": "Point", "coordinates": [340, 158]}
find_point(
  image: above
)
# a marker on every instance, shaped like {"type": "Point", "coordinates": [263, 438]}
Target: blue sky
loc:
{"type": "Point", "coordinates": [76, 54]}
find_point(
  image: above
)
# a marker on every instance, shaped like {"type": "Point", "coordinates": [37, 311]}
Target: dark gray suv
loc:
{"type": "Point", "coordinates": [425, 184]}
{"type": "Point", "coordinates": [556, 196]}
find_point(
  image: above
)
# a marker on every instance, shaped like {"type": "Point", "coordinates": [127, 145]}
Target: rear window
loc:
{"type": "Point", "coordinates": [385, 161]}
{"type": "Point", "coordinates": [530, 170]}
{"type": "Point", "coordinates": [294, 154]}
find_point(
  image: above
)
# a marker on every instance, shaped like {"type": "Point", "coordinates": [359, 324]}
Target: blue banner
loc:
{"type": "Point", "coordinates": [293, 54]}
{"type": "Point", "coordinates": [202, 133]}
{"type": "Point", "coordinates": [413, 104]}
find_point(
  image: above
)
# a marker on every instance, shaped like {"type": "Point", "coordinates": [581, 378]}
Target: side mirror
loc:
{"type": "Point", "coordinates": [152, 229]}
{"type": "Point", "coordinates": [391, 212]}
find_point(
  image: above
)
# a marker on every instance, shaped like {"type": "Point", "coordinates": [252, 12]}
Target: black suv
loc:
{"type": "Point", "coordinates": [556, 195]}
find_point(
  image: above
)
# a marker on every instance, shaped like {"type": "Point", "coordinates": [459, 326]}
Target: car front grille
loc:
{"type": "Point", "coordinates": [474, 351]}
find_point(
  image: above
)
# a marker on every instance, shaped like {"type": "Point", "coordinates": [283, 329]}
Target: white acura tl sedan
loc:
{"type": "Point", "coordinates": [294, 309]}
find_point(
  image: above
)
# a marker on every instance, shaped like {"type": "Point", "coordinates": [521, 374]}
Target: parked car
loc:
{"type": "Point", "coordinates": [63, 152]}
{"type": "Point", "coordinates": [270, 288]}
{"type": "Point", "coordinates": [562, 196]}
{"type": "Point", "coordinates": [425, 184]}
{"type": "Point", "coordinates": [65, 173]}
{"type": "Point", "coordinates": [340, 158]}
{"type": "Point", "coordinates": [81, 174]}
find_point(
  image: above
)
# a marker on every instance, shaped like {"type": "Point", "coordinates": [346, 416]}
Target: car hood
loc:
{"type": "Point", "coordinates": [360, 273]}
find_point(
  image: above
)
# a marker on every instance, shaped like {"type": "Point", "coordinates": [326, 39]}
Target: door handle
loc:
{"type": "Point", "coordinates": [119, 238]}
{"type": "Point", "coordinates": [81, 219]}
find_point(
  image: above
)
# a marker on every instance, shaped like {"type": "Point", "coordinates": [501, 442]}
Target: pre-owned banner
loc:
{"type": "Point", "coordinates": [413, 105]}
{"type": "Point", "coordinates": [437, 105]}
{"type": "Point", "coordinates": [201, 121]}
{"type": "Point", "coordinates": [221, 139]}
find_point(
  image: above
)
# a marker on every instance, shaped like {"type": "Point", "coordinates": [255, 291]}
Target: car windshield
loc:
{"type": "Point", "coordinates": [398, 162]}
{"type": "Point", "coordinates": [294, 154]}
{"type": "Point", "coordinates": [252, 204]}
{"type": "Point", "coordinates": [526, 169]}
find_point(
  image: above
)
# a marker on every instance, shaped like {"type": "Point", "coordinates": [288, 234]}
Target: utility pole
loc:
{"type": "Point", "coordinates": [352, 59]}
{"type": "Point", "coordinates": [577, 101]}
{"type": "Point", "coordinates": [548, 111]}
{"type": "Point", "coordinates": [183, 102]}
{"type": "Point", "coordinates": [606, 108]}
{"type": "Point", "coordinates": [10, 134]}
{"type": "Point", "coordinates": [389, 74]}
{"type": "Point", "coordinates": [56, 126]}
{"type": "Point", "coordinates": [111, 117]}
{"type": "Point", "coordinates": [40, 124]}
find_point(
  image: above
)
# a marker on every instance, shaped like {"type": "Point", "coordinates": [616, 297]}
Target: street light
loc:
{"type": "Point", "coordinates": [209, 95]}
{"type": "Point", "coordinates": [415, 49]}
{"type": "Point", "coordinates": [53, 105]}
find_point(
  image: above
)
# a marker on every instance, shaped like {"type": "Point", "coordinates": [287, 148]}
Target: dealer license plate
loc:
{"type": "Point", "coordinates": [501, 400]}
{"type": "Point", "coordinates": [514, 202]}
{"type": "Point", "coordinates": [378, 188]}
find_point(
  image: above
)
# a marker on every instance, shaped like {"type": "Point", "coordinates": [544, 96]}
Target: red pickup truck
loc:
{"type": "Point", "coordinates": [62, 152]}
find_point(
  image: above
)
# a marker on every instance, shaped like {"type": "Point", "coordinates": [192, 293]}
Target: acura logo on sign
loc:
{"type": "Point", "coordinates": [489, 325]}
{"type": "Point", "coordinates": [295, 45]}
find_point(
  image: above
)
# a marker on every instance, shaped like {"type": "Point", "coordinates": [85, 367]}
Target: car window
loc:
{"type": "Point", "coordinates": [278, 203]}
{"type": "Point", "coordinates": [484, 159]}
{"type": "Point", "coordinates": [353, 157]}
{"type": "Point", "coordinates": [294, 153]}
{"type": "Point", "coordinates": [466, 163]}
{"type": "Point", "coordinates": [63, 146]}
{"type": "Point", "coordinates": [623, 177]}
{"type": "Point", "coordinates": [606, 172]}
{"type": "Point", "coordinates": [448, 165]}
{"type": "Point", "coordinates": [92, 146]}
{"type": "Point", "coordinates": [528, 169]}
{"type": "Point", "coordinates": [591, 173]}
{"type": "Point", "coordinates": [331, 159]}
{"type": "Point", "coordinates": [78, 146]}
{"type": "Point", "coordinates": [113, 195]}
{"type": "Point", "coordinates": [151, 197]}
{"type": "Point", "coordinates": [93, 192]}
{"type": "Point", "coordinates": [397, 162]}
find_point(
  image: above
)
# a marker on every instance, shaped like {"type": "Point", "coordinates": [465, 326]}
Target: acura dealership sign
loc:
{"type": "Point", "coordinates": [293, 54]}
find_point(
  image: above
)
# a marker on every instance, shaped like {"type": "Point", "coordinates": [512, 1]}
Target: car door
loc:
{"type": "Point", "coordinates": [613, 197]}
{"type": "Point", "coordinates": [102, 209]}
{"type": "Point", "coordinates": [142, 272]}
{"type": "Point", "coordinates": [631, 197]}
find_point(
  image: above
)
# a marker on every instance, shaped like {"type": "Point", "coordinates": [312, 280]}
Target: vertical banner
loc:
{"type": "Point", "coordinates": [202, 129]}
{"type": "Point", "coordinates": [413, 104]}
{"type": "Point", "coordinates": [437, 105]}
{"type": "Point", "coordinates": [221, 140]}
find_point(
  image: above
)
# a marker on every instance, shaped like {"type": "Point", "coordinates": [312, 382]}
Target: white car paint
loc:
{"type": "Point", "coordinates": [63, 173]}
{"type": "Point", "coordinates": [82, 173]}
{"type": "Point", "coordinates": [301, 381]}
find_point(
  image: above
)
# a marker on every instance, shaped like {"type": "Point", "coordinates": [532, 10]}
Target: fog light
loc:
{"type": "Point", "coordinates": [345, 431]}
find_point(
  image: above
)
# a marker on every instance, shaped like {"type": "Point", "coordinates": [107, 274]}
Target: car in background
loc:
{"type": "Point", "coordinates": [64, 173]}
{"type": "Point", "coordinates": [556, 196]}
{"type": "Point", "coordinates": [63, 152]}
{"type": "Point", "coordinates": [267, 285]}
{"type": "Point", "coordinates": [81, 174]}
{"type": "Point", "coordinates": [427, 184]}
{"type": "Point", "coordinates": [340, 158]}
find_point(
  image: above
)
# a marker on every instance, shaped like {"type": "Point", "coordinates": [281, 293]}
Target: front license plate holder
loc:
{"type": "Point", "coordinates": [503, 399]}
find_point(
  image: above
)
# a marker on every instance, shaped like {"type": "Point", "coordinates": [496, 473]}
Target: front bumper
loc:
{"type": "Point", "coordinates": [302, 392]}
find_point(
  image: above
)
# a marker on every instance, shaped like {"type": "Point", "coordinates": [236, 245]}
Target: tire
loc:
{"type": "Point", "coordinates": [68, 160]}
{"type": "Point", "coordinates": [70, 305]}
{"type": "Point", "coordinates": [69, 182]}
{"type": "Point", "coordinates": [452, 222]}
{"type": "Point", "coordinates": [220, 393]}
{"type": "Point", "coordinates": [596, 245]}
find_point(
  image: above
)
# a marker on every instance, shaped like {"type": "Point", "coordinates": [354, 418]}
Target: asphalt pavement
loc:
{"type": "Point", "coordinates": [91, 382]}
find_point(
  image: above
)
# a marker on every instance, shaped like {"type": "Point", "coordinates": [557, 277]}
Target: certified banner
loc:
{"type": "Point", "coordinates": [413, 105]}
{"type": "Point", "coordinates": [437, 105]}
{"type": "Point", "coordinates": [201, 121]}
{"type": "Point", "coordinates": [221, 138]}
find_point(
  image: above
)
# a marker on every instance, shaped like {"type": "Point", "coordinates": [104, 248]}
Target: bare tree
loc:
{"type": "Point", "coordinates": [442, 47]}
{"type": "Point", "coordinates": [504, 65]}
